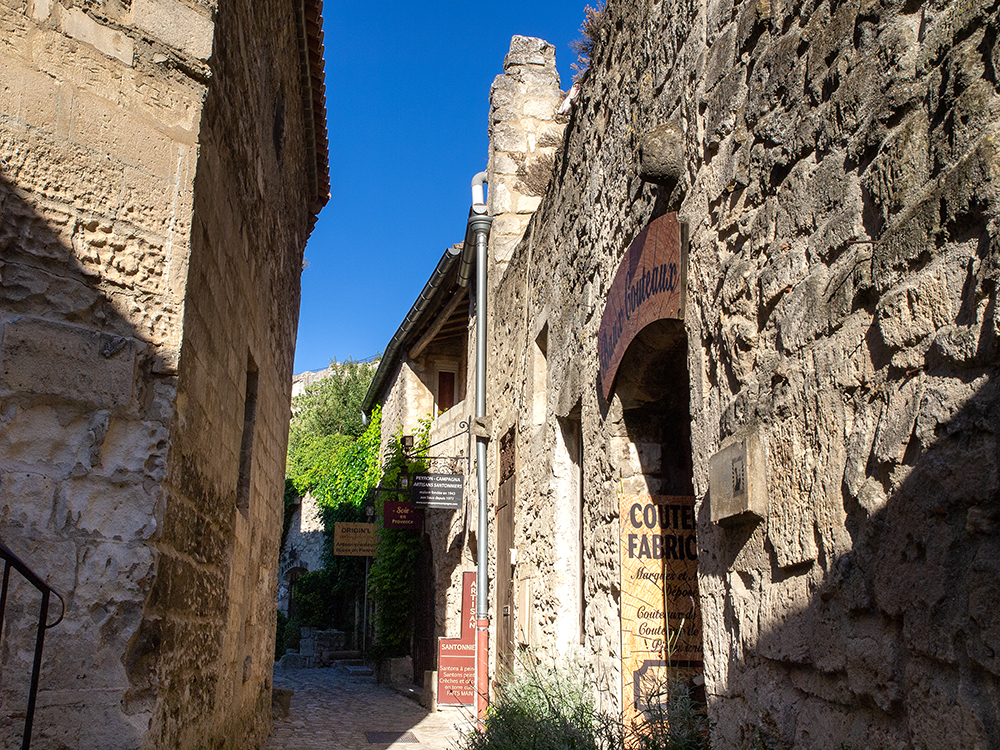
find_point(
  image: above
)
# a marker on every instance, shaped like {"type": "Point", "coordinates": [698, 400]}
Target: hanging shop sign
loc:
{"type": "Point", "coordinates": [401, 515]}
{"type": "Point", "coordinates": [661, 620]}
{"type": "Point", "coordinates": [457, 656]}
{"type": "Point", "coordinates": [648, 286]}
{"type": "Point", "coordinates": [354, 539]}
{"type": "Point", "coordinates": [437, 490]}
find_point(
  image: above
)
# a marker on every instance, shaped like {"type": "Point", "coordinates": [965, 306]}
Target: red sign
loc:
{"type": "Point", "coordinates": [457, 656]}
{"type": "Point", "coordinates": [648, 286]}
{"type": "Point", "coordinates": [401, 515]}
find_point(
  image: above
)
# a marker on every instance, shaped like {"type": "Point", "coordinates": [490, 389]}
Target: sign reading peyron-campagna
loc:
{"type": "Point", "coordinates": [354, 539]}
{"type": "Point", "coordinates": [648, 286]}
{"type": "Point", "coordinates": [437, 490]}
{"type": "Point", "coordinates": [661, 622]}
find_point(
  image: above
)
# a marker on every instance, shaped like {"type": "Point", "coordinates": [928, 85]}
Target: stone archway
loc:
{"type": "Point", "coordinates": [661, 622]}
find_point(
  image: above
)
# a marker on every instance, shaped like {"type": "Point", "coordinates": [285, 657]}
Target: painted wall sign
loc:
{"type": "Point", "coordinates": [648, 286]}
{"type": "Point", "coordinates": [437, 490]}
{"type": "Point", "coordinates": [400, 515]}
{"type": "Point", "coordinates": [457, 656]}
{"type": "Point", "coordinates": [354, 539]}
{"type": "Point", "coordinates": [661, 621]}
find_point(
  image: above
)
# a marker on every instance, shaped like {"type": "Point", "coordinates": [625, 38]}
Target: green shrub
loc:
{"type": "Point", "coordinates": [314, 599]}
{"type": "Point", "coordinates": [673, 721]}
{"type": "Point", "coordinates": [279, 635]}
{"type": "Point", "coordinates": [545, 706]}
{"type": "Point", "coordinates": [293, 635]}
{"type": "Point", "coordinates": [552, 707]}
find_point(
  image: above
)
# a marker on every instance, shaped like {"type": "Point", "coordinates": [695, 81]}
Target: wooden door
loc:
{"type": "Point", "coordinates": [505, 571]}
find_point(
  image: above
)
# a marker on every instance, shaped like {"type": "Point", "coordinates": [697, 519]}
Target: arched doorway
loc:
{"type": "Point", "coordinates": [643, 353]}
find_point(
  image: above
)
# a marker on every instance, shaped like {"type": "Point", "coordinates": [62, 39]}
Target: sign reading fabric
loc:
{"type": "Point", "coordinates": [400, 515]}
{"type": "Point", "coordinates": [661, 621]}
{"type": "Point", "coordinates": [648, 286]}
{"type": "Point", "coordinates": [457, 656]}
{"type": "Point", "coordinates": [354, 539]}
{"type": "Point", "coordinates": [437, 490]}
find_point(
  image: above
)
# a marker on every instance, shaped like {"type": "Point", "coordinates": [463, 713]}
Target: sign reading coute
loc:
{"type": "Point", "coordinates": [648, 286]}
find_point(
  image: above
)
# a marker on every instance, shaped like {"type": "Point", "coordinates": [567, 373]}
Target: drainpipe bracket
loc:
{"type": "Point", "coordinates": [482, 427]}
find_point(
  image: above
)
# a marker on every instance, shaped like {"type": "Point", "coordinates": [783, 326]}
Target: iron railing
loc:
{"type": "Point", "coordinates": [10, 560]}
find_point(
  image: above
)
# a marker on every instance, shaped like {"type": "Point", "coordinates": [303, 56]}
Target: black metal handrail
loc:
{"type": "Point", "coordinates": [10, 560]}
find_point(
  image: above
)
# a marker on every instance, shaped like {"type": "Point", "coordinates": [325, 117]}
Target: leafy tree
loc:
{"type": "Point", "coordinates": [325, 419]}
{"type": "Point", "coordinates": [344, 477]}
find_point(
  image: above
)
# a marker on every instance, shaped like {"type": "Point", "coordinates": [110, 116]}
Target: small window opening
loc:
{"type": "Point", "coordinates": [445, 391]}
{"type": "Point", "coordinates": [246, 444]}
{"type": "Point", "coordinates": [540, 376]}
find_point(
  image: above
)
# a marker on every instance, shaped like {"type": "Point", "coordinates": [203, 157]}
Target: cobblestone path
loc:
{"type": "Point", "coordinates": [333, 710]}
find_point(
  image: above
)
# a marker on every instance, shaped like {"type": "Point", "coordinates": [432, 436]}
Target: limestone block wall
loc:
{"type": "Point", "coordinates": [839, 185]}
{"type": "Point", "coordinates": [251, 218]}
{"type": "Point", "coordinates": [524, 134]}
{"type": "Point", "coordinates": [98, 148]}
{"type": "Point", "coordinates": [303, 547]}
{"type": "Point", "coordinates": [151, 237]}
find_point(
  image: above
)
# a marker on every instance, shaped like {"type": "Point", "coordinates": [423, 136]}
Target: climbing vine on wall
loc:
{"type": "Point", "coordinates": [391, 581]}
{"type": "Point", "coordinates": [340, 481]}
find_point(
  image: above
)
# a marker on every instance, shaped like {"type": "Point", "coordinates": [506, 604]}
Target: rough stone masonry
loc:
{"type": "Point", "coordinates": [161, 165]}
{"type": "Point", "coordinates": [839, 178]}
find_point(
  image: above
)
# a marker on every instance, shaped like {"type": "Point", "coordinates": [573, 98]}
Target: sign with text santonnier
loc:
{"type": "Point", "coordinates": [437, 490]}
{"type": "Point", "coordinates": [457, 656]}
{"type": "Point", "coordinates": [648, 286]}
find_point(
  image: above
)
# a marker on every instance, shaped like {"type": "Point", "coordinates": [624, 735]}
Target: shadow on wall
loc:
{"type": "Point", "coordinates": [895, 643]}
{"type": "Point", "coordinates": [86, 400]}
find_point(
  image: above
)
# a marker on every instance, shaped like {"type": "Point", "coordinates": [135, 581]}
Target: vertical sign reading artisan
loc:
{"type": "Point", "coordinates": [661, 622]}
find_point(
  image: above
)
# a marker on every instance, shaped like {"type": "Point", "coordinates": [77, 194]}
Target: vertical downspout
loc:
{"type": "Point", "coordinates": [480, 224]}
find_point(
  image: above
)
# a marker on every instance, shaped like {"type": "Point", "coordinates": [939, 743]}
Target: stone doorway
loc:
{"type": "Point", "coordinates": [659, 538]}
{"type": "Point", "coordinates": [424, 650]}
{"type": "Point", "coordinates": [505, 570]}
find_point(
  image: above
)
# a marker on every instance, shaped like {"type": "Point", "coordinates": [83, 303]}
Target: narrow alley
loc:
{"type": "Point", "coordinates": [333, 709]}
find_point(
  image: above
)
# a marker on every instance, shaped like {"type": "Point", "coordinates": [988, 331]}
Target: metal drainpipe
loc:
{"type": "Point", "coordinates": [480, 225]}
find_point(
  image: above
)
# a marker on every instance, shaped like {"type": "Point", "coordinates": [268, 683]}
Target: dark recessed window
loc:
{"type": "Point", "coordinates": [246, 444]}
{"type": "Point", "coordinates": [446, 391]}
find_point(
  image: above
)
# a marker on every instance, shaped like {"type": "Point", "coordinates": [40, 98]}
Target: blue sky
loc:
{"type": "Point", "coordinates": [407, 93]}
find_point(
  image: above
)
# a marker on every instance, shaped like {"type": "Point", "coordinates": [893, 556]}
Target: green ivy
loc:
{"type": "Point", "coordinates": [391, 581]}
{"type": "Point", "coordinates": [341, 480]}
{"type": "Point", "coordinates": [345, 476]}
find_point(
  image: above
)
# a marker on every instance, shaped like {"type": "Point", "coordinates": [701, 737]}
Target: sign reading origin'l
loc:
{"type": "Point", "coordinates": [648, 286]}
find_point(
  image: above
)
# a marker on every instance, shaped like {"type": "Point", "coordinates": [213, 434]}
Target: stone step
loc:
{"type": "Point", "coordinates": [358, 670]}
{"type": "Point", "coordinates": [346, 655]}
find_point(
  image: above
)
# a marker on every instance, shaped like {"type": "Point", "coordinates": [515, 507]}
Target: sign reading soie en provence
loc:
{"type": "Point", "coordinates": [401, 515]}
{"type": "Point", "coordinates": [354, 539]}
{"type": "Point", "coordinates": [661, 621]}
{"type": "Point", "coordinates": [648, 286]}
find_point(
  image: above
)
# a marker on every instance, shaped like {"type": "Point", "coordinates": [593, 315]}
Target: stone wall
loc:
{"type": "Point", "coordinates": [153, 219]}
{"type": "Point", "coordinates": [838, 181]}
{"type": "Point", "coordinates": [303, 550]}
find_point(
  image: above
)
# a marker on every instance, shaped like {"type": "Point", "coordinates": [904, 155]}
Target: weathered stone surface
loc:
{"type": "Point", "coordinates": [40, 356]}
{"type": "Point", "coordinates": [661, 154]}
{"type": "Point", "coordinates": [839, 184]}
{"type": "Point", "coordinates": [121, 409]}
{"type": "Point", "coordinates": [175, 24]}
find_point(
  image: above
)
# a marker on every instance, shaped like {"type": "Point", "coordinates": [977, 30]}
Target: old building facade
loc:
{"type": "Point", "coordinates": [161, 166]}
{"type": "Point", "coordinates": [832, 169]}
